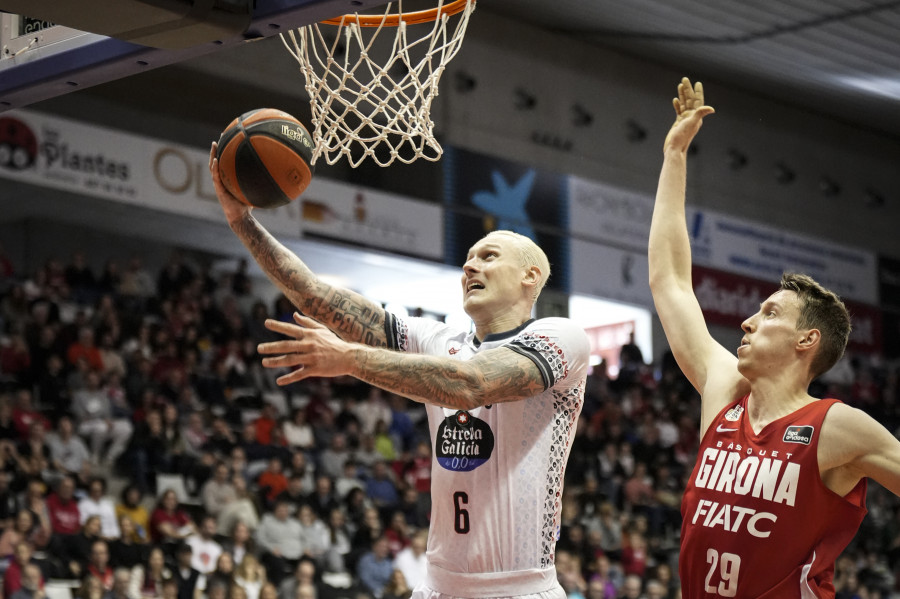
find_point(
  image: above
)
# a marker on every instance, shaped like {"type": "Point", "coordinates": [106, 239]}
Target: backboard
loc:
{"type": "Point", "coordinates": [40, 59]}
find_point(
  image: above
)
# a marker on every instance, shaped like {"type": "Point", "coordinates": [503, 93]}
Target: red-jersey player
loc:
{"type": "Point", "coordinates": [778, 489]}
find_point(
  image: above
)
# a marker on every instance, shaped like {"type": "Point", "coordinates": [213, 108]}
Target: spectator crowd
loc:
{"type": "Point", "coordinates": [145, 453]}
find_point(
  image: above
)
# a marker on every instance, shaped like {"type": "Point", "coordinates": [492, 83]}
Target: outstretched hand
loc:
{"type": "Point", "coordinates": [689, 113]}
{"type": "Point", "coordinates": [233, 207]}
{"type": "Point", "coordinates": [314, 350]}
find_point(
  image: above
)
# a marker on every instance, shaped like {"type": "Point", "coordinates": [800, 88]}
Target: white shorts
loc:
{"type": "Point", "coordinates": [423, 592]}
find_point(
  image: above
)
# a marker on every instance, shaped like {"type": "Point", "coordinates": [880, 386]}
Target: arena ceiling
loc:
{"type": "Point", "coordinates": [836, 57]}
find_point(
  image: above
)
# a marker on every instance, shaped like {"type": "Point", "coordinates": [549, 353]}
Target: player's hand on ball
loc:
{"type": "Point", "coordinates": [234, 209]}
{"type": "Point", "coordinates": [313, 350]}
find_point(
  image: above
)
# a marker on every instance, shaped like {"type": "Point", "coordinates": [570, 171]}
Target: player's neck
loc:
{"type": "Point", "coordinates": [774, 398]}
{"type": "Point", "coordinates": [500, 323]}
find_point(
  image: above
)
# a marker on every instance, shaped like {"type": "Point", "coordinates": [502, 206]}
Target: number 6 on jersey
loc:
{"type": "Point", "coordinates": [461, 517]}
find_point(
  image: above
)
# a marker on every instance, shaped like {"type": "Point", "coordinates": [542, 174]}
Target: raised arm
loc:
{"type": "Point", "coordinates": [492, 376]}
{"type": "Point", "coordinates": [710, 367]}
{"type": "Point", "coordinates": [345, 312]}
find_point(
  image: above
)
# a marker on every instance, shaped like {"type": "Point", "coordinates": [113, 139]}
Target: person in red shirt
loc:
{"type": "Point", "coordinates": [98, 564]}
{"type": "Point", "coordinates": [15, 360]}
{"type": "Point", "coordinates": [272, 482]}
{"type": "Point", "coordinates": [168, 522]}
{"type": "Point", "coordinates": [85, 347]}
{"type": "Point", "coordinates": [24, 414]}
{"type": "Point", "coordinates": [65, 519]}
{"type": "Point", "coordinates": [634, 554]}
{"type": "Point", "coordinates": [12, 578]}
{"type": "Point", "coordinates": [267, 421]}
{"type": "Point", "coordinates": [778, 489]}
{"type": "Point", "coordinates": [418, 470]}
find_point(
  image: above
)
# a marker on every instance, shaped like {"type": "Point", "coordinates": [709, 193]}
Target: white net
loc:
{"type": "Point", "coordinates": [373, 100]}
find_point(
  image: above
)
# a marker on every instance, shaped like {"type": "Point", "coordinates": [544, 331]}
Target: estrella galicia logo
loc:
{"type": "Point", "coordinates": [463, 442]}
{"type": "Point", "coordinates": [798, 434]}
{"type": "Point", "coordinates": [18, 144]}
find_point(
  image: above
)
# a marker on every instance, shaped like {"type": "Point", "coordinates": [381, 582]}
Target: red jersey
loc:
{"type": "Point", "coordinates": [758, 522]}
{"type": "Point", "coordinates": [65, 518]}
{"type": "Point", "coordinates": [178, 519]}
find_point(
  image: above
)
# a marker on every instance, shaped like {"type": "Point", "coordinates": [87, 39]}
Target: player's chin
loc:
{"type": "Point", "coordinates": [744, 367]}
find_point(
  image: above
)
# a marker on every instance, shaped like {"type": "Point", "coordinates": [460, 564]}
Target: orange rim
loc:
{"type": "Point", "coordinates": [410, 18]}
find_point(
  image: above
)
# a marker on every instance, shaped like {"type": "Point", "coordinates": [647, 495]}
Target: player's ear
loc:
{"type": "Point", "coordinates": [809, 340]}
{"type": "Point", "coordinates": [532, 276]}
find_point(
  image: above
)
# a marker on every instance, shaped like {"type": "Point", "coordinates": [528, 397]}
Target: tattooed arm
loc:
{"type": "Point", "coordinates": [345, 312]}
{"type": "Point", "coordinates": [492, 376]}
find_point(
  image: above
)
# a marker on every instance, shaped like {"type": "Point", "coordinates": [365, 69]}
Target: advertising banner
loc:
{"type": "Point", "coordinates": [88, 159]}
{"type": "Point", "coordinates": [608, 215]}
{"type": "Point", "coordinates": [371, 218]}
{"type": "Point", "coordinates": [610, 273]}
{"type": "Point", "coordinates": [483, 194]}
{"type": "Point", "coordinates": [728, 299]}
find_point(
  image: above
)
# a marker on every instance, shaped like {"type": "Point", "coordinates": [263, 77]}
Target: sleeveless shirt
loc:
{"type": "Point", "coordinates": [758, 521]}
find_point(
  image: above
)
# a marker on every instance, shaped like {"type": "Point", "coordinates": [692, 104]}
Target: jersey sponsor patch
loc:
{"type": "Point", "coordinates": [463, 443]}
{"type": "Point", "coordinates": [734, 414]}
{"type": "Point", "coordinates": [798, 434]}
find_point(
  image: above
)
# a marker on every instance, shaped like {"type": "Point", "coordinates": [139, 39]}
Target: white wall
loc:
{"type": "Point", "coordinates": [503, 55]}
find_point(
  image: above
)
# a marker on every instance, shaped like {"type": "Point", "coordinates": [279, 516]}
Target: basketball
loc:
{"type": "Point", "coordinates": [264, 158]}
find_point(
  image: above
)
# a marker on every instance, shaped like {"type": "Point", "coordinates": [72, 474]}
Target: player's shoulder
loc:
{"type": "Point", "coordinates": [558, 339]}
{"type": "Point", "coordinates": [846, 418]}
{"type": "Point", "coordinates": [556, 323]}
{"type": "Point", "coordinates": [562, 330]}
{"type": "Point", "coordinates": [425, 328]}
{"type": "Point", "coordinates": [851, 427]}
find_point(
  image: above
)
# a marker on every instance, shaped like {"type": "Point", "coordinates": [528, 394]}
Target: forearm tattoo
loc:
{"type": "Point", "coordinates": [348, 314]}
{"type": "Point", "coordinates": [487, 379]}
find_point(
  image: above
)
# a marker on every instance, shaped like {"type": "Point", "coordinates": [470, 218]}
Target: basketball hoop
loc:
{"type": "Point", "coordinates": [372, 100]}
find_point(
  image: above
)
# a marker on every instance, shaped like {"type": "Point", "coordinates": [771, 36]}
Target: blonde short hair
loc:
{"type": "Point", "coordinates": [531, 255]}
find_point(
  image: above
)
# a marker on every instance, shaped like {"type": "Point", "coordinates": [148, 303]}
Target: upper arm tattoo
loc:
{"type": "Point", "coordinates": [495, 376]}
{"type": "Point", "coordinates": [347, 313]}
{"type": "Point", "coordinates": [509, 374]}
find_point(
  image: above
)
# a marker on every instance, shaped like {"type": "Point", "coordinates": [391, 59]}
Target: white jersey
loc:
{"type": "Point", "coordinates": [497, 471]}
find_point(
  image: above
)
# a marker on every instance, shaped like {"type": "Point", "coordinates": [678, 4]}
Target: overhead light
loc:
{"type": "Point", "coordinates": [784, 174]}
{"type": "Point", "coordinates": [580, 116]}
{"type": "Point", "coordinates": [736, 159]}
{"type": "Point", "coordinates": [829, 187]}
{"type": "Point", "coordinates": [463, 82]}
{"type": "Point", "coordinates": [874, 199]}
{"type": "Point", "coordinates": [635, 132]}
{"type": "Point", "coordinates": [524, 100]}
{"type": "Point", "coordinates": [888, 87]}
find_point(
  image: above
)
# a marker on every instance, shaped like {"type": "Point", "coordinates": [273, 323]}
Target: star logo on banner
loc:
{"type": "Point", "coordinates": [507, 202]}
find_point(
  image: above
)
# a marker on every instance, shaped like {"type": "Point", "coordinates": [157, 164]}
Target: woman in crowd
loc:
{"type": "Point", "coordinates": [91, 588]}
{"type": "Point", "coordinates": [147, 578]}
{"type": "Point", "coordinates": [240, 543]}
{"type": "Point", "coordinates": [169, 523]}
{"type": "Point", "coordinates": [250, 575]}
{"type": "Point", "coordinates": [23, 529]}
{"type": "Point", "coordinates": [224, 572]}
{"type": "Point", "coordinates": [396, 588]}
{"type": "Point", "coordinates": [126, 551]}
{"type": "Point", "coordinates": [131, 505]}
